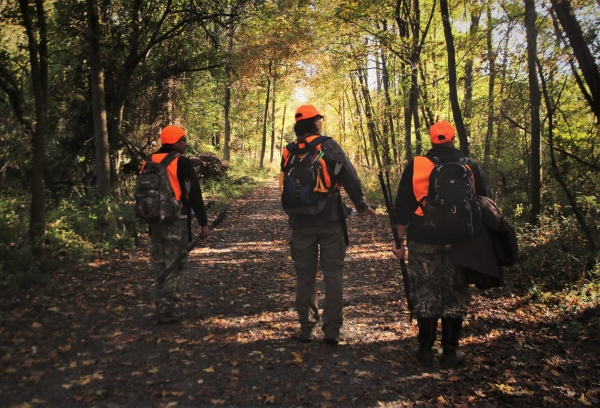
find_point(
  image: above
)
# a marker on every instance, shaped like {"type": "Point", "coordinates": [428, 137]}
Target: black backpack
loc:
{"type": "Point", "coordinates": [305, 179]}
{"type": "Point", "coordinates": [154, 197]}
{"type": "Point", "coordinates": [451, 212]}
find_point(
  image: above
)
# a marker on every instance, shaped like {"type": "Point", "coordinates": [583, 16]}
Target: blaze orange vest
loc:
{"type": "Point", "coordinates": [171, 170]}
{"type": "Point", "coordinates": [322, 184]}
{"type": "Point", "coordinates": [422, 170]}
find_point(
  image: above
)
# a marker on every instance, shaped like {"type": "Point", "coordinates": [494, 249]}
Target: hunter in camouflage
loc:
{"type": "Point", "coordinates": [437, 287]}
{"type": "Point", "coordinates": [169, 241]}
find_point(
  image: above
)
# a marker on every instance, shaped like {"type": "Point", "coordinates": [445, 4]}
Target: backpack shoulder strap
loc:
{"type": "Point", "coordinates": [318, 140]}
{"type": "Point", "coordinates": [169, 158]}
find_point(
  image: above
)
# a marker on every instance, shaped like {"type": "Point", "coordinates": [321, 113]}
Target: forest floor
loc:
{"type": "Point", "coordinates": [91, 338]}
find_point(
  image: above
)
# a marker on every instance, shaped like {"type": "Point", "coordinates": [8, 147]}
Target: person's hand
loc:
{"type": "Point", "coordinates": [368, 211]}
{"type": "Point", "coordinates": [398, 252]}
{"type": "Point", "coordinates": [205, 232]}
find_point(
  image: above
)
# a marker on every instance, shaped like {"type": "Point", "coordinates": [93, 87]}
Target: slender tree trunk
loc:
{"type": "Point", "coordinates": [369, 116]}
{"type": "Point", "coordinates": [265, 119]}
{"type": "Point", "coordinates": [273, 120]}
{"type": "Point", "coordinates": [38, 59]}
{"type": "Point", "coordinates": [490, 108]}
{"type": "Point", "coordinates": [388, 116]}
{"type": "Point", "coordinates": [360, 127]}
{"type": "Point", "coordinates": [452, 80]}
{"type": "Point", "coordinates": [468, 102]}
{"type": "Point", "coordinates": [585, 58]}
{"type": "Point", "coordinates": [282, 130]}
{"type": "Point", "coordinates": [98, 101]}
{"type": "Point", "coordinates": [535, 101]}
{"type": "Point", "coordinates": [227, 101]}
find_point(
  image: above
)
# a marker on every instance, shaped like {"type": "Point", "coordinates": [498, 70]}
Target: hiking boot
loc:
{"type": "Point", "coordinates": [451, 329]}
{"type": "Point", "coordinates": [306, 338]}
{"type": "Point", "coordinates": [168, 318]}
{"type": "Point", "coordinates": [426, 338]}
{"type": "Point", "coordinates": [331, 340]}
{"type": "Point", "coordinates": [424, 355]}
{"type": "Point", "coordinates": [451, 357]}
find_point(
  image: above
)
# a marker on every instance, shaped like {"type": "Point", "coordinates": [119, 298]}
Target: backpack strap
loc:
{"type": "Point", "coordinates": [169, 158]}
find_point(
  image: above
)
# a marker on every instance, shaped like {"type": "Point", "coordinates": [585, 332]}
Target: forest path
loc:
{"type": "Point", "coordinates": [91, 338]}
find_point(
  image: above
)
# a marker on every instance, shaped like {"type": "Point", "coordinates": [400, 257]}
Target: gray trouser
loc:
{"type": "Point", "coordinates": [169, 241]}
{"type": "Point", "coordinates": [437, 287]}
{"type": "Point", "coordinates": [306, 243]}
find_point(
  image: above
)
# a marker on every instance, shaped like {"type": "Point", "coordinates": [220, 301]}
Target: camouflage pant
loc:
{"type": "Point", "coordinates": [169, 240]}
{"type": "Point", "coordinates": [437, 287]}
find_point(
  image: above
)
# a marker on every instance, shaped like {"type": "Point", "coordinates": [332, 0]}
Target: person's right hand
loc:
{"type": "Point", "coordinates": [398, 252]}
{"type": "Point", "coordinates": [204, 231]}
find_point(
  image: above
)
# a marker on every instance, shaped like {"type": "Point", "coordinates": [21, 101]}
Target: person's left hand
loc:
{"type": "Point", "coordinates": [204, 231]}
{"type": "Point", "coordinates": [369, 211]}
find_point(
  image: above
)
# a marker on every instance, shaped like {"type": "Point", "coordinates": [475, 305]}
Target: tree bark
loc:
{"type": "Point", "coordinates": [369, 116]}
{"type": "Point", "coordinates": [360, 127]}
{"type": "Point", "coordinates": [585, 58]}
{"type": "Point", "coordinates": [452, 81]}
{"type": "Point", "coordinates": [491, 95]}
{"type": "Point", "coordinates": [535, 102]}
{"type": "Point", "coordinates": [227, 101]}
{"type": "Point", "coordinates": [265, 118]}
{"type": "Point", "coordinates": [282, 130]}
{"type": "Point", "coordinates": [98, 101]}
{"type": "Point", "coordinates": [38, 59]}
{"type": "Point", "coordinates": [468, 102]}
{"type": "Point", "coordinates": [273, 120]}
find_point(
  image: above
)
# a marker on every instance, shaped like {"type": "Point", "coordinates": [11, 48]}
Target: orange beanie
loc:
{"type": "Point", "coordinates": [441, 132]}
{"type": "Point", "coordinates": [171, 134]}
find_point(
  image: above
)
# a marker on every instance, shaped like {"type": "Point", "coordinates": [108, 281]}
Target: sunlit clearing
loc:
{"type": "Point", "coordinates": [301, 95]}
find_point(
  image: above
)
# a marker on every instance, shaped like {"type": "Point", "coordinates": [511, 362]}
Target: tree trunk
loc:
{"type": "Point", "coordinates": [490, 108]}
{"type": "Point", "coordinates": [456, 113]}
{"type": "Point", "coordinates": [98, 102]}
{"type": "Point", "coordinates": [265, 118]}
{"type": "Point", "coordinates": [360, 127]}
{"type": "Point", "coordinates": [535, 101]}
{"type": "Point", "coordinates": [585, 58]}
{"type": "Point", "coordinates": [273, 121]}
{"type": "Point", "coordinates": [282, 131]}
{"type": "Point", "coordinates": [468, 102]}
{"type": "Point", "coordinates": [388, 116]}
{"type": "Point", "coordinates": [38, 58]}
{"type": "Point", "coordinates": [369, 116]}
{"type": "Point", "coordinates": [227, 101]}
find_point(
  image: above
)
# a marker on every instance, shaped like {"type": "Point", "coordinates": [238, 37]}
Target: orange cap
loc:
{"type": "Point", "coordinates": [306, 112]}
{"type": "Point", "coordinates": [441, 132]}
{"type": "Point", "coordinates": [171, 134]}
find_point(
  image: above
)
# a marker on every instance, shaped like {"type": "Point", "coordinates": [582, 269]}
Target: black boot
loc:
{"type": "Point", "coordinates": [427, 330]}
{"type": "Point", "coordinates": [451, 329]}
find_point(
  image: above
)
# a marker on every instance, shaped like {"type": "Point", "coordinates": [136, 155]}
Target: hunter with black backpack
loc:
{"type": "Point", "coordinates": [313, 168]}
{"type": "Point", "coordinates": [167, 190]}
{"type": "Point", "coordinates": [436, 206]}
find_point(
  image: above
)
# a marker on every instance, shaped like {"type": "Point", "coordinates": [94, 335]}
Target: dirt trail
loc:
{"type": "Point", "coordinates": [91, 339]}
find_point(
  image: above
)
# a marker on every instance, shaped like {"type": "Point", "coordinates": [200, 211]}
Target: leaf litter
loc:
{"type": "Point", "coordinates": [91, 338]}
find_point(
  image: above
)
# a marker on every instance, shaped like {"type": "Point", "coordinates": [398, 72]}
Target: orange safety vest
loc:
{"type": "Point", "coordinates": [171, 170]}
{"type": "Point", "coordinates": [319, 187]}
{"type": "Point", "coordinates": [422, 170]}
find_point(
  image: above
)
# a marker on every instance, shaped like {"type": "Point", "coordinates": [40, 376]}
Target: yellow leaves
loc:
{"type": "Point", "coordinates": [507, 389]}
{"type": "Point", "coordinates": [370, 357]}
{"type": "Point", "coordinates": [269, 399]}
{"type": "Point", "coordinates": [359, 373]}
{"type": "Point", "coordinates": [64, 349]}
{"type": "Point", "coordinates": [584, 401]}
{"type": "Point", "coordinates": [36, 325]}
{"type": "Point", "coordinates": [116, 334]}
{"type": "Point", "coordinates": [217, 401]}
{"type": "Point", "coordinates": [209, 369]}
{"type": "Point", "coordinates": [298, 357]}
{"type": "Point", "coordinates": [453, 378]}
{"type": "Point", "coordinates": [550, 399]}
{"type": "Point", "coordinates": [175, 350]}
{"type": "Point", "coordinates": [555, 373]}
{"type": "Point", "coordinates": [181, 341]}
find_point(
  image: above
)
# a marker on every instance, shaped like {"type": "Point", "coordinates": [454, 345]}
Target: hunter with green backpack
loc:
{"type": "Point", "coordinates": [313, 168]}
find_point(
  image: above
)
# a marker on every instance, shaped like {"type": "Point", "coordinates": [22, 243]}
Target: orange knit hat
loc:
{"type": "Point", "coordinates": [306, 112]}
{"type": "Point", "coordinates": [441, 132]}
{"type": "Point", "coordinates": [171, 134]}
